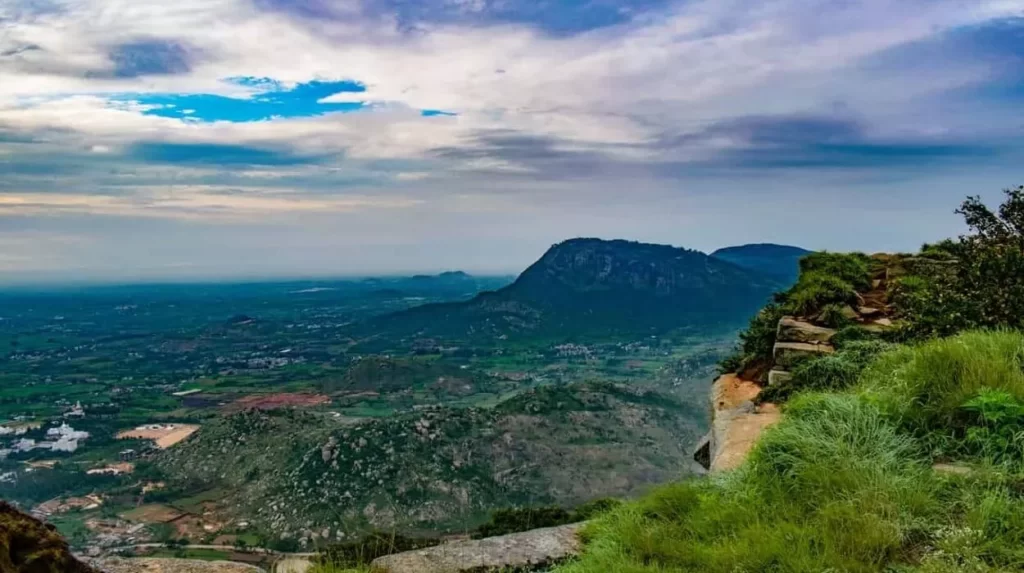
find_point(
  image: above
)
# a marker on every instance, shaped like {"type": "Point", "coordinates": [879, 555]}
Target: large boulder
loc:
{"type": "Point", "coordinates": [516, 551]}
{"type": "Point", "coordinates": [28, 545]}
{"type": "Point", "coordinates": [793, 330]}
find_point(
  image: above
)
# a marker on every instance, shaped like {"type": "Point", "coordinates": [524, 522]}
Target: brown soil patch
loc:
{"type": "Point", "coordinates": [731, 391]}
{"type": "Point", "coordinates": [275, 401]}
{"type": "Point", "coordinates": [165, 435]}
{"type": "Point", "coordinates": [152, 513]}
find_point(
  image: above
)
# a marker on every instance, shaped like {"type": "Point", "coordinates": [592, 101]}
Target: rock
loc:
{"type": "Point", "coordinates": [849, 313]}
{"type": "Point", "coordinates": [793, 330]}
{"type": "Point", "coordinates": [28, 545]}
{"type": "Point", "coordinates": [738, 433]}
{"type": "Point", "coordinates": [868, 312]}
{"type": "Point", "coordinates": [536, 548]}
{"type": "Point", "coordinates": [884, 322]}
{"type": "Point", "coordinates": [779, 377]}
{"type": "Point", "coordinates": [953, 469]}
{"type": "Point", "coordinates": [154, 565]}
{"type": "Point", "coordinates": [789, 353]}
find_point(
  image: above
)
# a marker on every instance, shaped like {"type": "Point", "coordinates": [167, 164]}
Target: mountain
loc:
{"type": "Point", "coordinates": [779, 261]}
{"type": "Point", "coordinates": [598, 286]}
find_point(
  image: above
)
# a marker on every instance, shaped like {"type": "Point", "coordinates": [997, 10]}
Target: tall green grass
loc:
{"type": "Point", "coordinates": [844, 483]}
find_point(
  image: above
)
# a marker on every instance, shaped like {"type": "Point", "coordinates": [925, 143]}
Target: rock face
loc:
{"type": "Point", "coordinates": [28, 545]}
{"type": "Point", "coordinates": [153, 565]}
{"type": "Point", "coordinates": [736, 421]}
{"type": "Point", "coordinates": [529, 549]}
{"type": "Point", "coordinates": [793, 330]}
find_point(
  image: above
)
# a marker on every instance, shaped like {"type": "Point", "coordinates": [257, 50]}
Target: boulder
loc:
{"type": "Point", "coordinates": [868, 311]}
{"type": "Point", "coordinates": [787, 354]}
{"type": "Point", "coordinates": [526, 550]}
{"type": "Point", "coordinates": [28, 545]}
{"type": "Point", "coordinates": [776, 377]}
{"type": "Point", "coordinates": [793, 330]}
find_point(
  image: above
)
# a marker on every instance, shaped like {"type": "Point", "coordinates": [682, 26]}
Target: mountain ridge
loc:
{"type": "Point", "coordinates": [601, 285]}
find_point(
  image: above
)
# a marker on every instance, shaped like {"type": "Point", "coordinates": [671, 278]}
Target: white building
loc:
{"type": "Point", "coordinates": [66, 431]}
{"type": "Point", "coordinates": [24, 445]}
{"type": "Point", "coordinates": [65, 444]}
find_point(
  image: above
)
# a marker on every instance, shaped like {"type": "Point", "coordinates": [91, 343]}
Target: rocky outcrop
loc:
{"type": "Point", "coordinates": [28, 545]}
{"type": "Point", "coordinates": [154, 565]}
{"type": "Point", "coordinates": [517, 551]}
{"type": "Point", "coordinates": [736, 423]}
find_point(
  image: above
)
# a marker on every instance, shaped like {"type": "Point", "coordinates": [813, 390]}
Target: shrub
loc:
{"type": "Point", "coordinates": [926, 386]}
{"type": "Point", "coordinates": [984, 287]}
{"type": "Point", "coordinates": [814, 291]}
{"type": "Point", "coordinates": [834, 316]}
{"type": "Point", "coordinates": [995, 426]}
{"type": "Point", "coordinates": [851, 268]}
{"type": "Point", "coordinates": [369, 547]}
{"type": "Point", "coordinates": [830, 372]}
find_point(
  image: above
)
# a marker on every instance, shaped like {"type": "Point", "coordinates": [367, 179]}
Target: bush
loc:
{"type": "Point", "coordinates": [830, 372]}
{"type": "Point", "coordinates": [995, 426]}
{"type": "Point", "coordinates": [984, 285]}
{"type": "Point", "coordinates": [926, 386]}
{"type": "Point", "coordinates": [851, 268]}
{"type": "Point", "coordinates": [371, 546]}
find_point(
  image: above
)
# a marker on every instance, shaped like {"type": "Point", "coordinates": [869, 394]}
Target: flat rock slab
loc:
{"type": "Point", "coordinates": [788, 353]}
{"type": "Point", "coordinates": [155, 565]}
{"type": "Point", "coordinates": [737, 434]}
{"type": "Point", "coordinates": [529, 549]}
{"type": "Point", "coordinates": [793, 330]}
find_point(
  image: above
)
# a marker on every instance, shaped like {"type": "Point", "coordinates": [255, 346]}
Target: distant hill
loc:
{"type": "Point", "coordinates": [598, 286]}
{"type": "Point", "coordinates": [291, 473]}
{"type": "Point", "coordinates": [779, 261]}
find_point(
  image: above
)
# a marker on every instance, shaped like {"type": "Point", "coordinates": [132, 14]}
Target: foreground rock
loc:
{"type": "Point", "coordinates": [736, 423]}
{"type": "Point", "coordinates": [154, 565]}
{"type": "Point", "coordinates": [524, 551]}
{"type": "Point", "coordinates": [28, 545]}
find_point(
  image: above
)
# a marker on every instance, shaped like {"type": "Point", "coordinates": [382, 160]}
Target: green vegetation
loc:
{"type": "Point", "coordinates": [889, 457]}
{"type": "Point", "coordinates": [828, 282]}
{"type": "Point", "coordinates": [845, 482]}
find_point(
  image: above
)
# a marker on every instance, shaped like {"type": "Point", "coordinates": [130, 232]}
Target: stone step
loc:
{"type": "Point", "coordinates": [788, 353]}
{"type": "Point", "coordinates": [792, 330]}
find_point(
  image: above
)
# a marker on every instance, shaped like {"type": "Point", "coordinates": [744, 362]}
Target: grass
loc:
{"type": "Point", "coordinates": [844, 483]}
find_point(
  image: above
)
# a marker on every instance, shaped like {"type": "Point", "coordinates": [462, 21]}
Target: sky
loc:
{"type": "Point", "coordinates": [155, 140]}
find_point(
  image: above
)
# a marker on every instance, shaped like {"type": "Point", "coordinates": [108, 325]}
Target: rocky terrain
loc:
{"type": "Point", "coordinates": [313, 478]}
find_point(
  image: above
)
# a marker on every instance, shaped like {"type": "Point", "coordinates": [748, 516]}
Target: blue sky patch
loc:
{"type": "Point", "coordinates": [435, 112]}
{"type": "Point", "coordinates": [270, 102]}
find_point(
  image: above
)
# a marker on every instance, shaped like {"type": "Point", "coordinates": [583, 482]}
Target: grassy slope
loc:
{"type": "Point", "coordinates": [845, 481]}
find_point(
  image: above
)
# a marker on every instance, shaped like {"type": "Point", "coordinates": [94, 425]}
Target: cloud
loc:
{"type": "Point", "coordinates": [516, 120]}
{"type": "Point", "coordinates": [214, 154]}
{"type": "Point", "coordinates": [151, 57]}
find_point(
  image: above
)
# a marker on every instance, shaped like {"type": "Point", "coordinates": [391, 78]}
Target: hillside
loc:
{"type": "Point", "coordinates": [295, 475]}
{"type": "Point", "coordinates": [899, 447]}
{"type": "Point", "coordinates": [781, 262]}
{"type": "Point", "coordinates": [592, 287]}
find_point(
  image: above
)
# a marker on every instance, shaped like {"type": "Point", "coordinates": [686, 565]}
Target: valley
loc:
{"type": "Point", "coordinates": [291, 416]}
